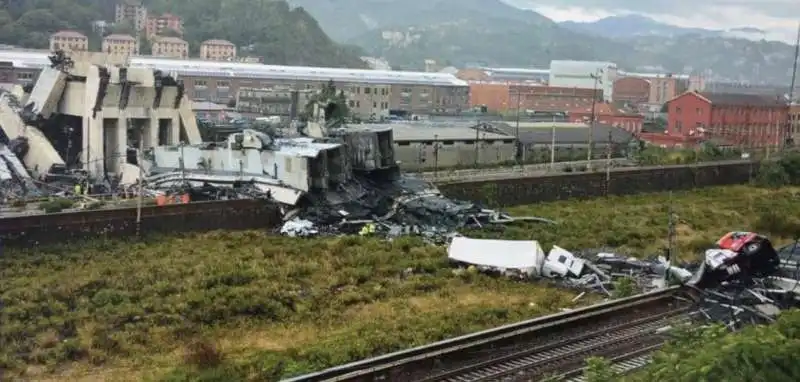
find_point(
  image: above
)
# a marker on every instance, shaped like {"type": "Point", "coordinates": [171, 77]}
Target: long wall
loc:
{"type": "Point", "coordinates": [29, 231]}
{"type": "Point", "coordinates": [509, 192]}
{"type": "Point", "coordinates": [32, 230]}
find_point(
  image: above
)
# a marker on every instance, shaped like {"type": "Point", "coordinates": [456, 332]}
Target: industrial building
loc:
{"type": "Point", "coordinates": [427, 145]}
{"type": "Point", "coordinates": [571, 140]}
{"type": "Point", "coordinates": [584, 74]}
{"type": "Point", "coordinates": [219, 81]}
{"type": "Point", "coordinates": [499, 97]}
{"type": "Point", "coordinates": [281, 101]}
{"type": "Point", "coordinates": [739, 119]}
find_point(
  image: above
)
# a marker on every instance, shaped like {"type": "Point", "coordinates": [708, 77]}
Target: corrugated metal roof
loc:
{"type": "Point", "coordinates": [38, 59]}
{"type": "Point", "coordinates": [442, 132]}
{"type": "Point", "coordinates": [569, 134]}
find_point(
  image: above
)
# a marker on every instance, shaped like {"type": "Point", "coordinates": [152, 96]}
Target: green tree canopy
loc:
{"type": "Point", "coordinates": [276, 32]}
{"type": "Point", "coordinates": [758, 353]}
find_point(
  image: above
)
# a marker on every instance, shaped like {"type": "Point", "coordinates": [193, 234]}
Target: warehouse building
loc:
{"type": "Point", "coordinates": [429, 145]}
{"type": "Point", "coordinates": [372, 91]}
{"type": "Point", "coordinates": [571, 140]}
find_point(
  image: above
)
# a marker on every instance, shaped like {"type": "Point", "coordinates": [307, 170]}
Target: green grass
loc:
{"type": "Point", "coordinates": [234, 306]}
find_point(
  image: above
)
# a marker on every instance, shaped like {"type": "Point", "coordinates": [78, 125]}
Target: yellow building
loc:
{"type": "Point", "coordinates": [218, 50]}
{"type": "Point", "coordinates": [171, 47]}
{"type": "Point", "coordinates": [69, 41]}
{"type": "Point", "coordinates": [121, 44]}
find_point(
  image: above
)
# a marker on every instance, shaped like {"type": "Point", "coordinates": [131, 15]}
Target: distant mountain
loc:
{"type": "Point", "coordinates": [633, 25]}
{"type": "Point", "coordinates": [494, 33]}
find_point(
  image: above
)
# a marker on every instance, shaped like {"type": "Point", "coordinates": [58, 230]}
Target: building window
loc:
{"type": "Point", "coordinates": [678, 125]}
{"type": "Point", "coordinates": [366, 90]}
{"type": "Point", "coordinates": [678, 110]}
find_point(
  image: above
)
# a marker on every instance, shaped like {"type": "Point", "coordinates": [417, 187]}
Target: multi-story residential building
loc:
{"type": "Point", "coordinates": [218, 50]}
{"type": "Point", "coordinates": [131, 11]}
{"type": "Point", "coordinates": [425, 93]}
{"type": "Point", "coordinates": [171, 47]}
{"type": "Point", "coordinates": [158, 25]}
{"type": "Point", "coordinates": [69, 41]}
{"type": "Point", "coordinates": [121, 45]}
{"type": "Point", "coordinates": [740, 119]}
{"type": "Point", "coordinates": [499, 97]}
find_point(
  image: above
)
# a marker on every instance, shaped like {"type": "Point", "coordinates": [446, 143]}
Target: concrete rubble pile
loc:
{"type": "Point", "coordinates": [391, 208]}
{"type": "Point", "coordinates": [743, 280]}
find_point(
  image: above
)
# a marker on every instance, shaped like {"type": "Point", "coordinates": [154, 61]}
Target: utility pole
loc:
{"type": "Point", "coordinates": [436, 155]}
{"type": "Point", "coordinates": [608, 161]}
{"type": "Point", "coordinates": [670, 239]}
{"type": "Point", "coordinates": [597, 80]}
{"type": "Point", "coordinates": [553, 145]}
{"type": "Point", "coordinates": [140, 192]}
{"type": "Point", "coordinates": [477, 138]}
{"type": "Point", "coordinates": [518, 153]}
{"type": "Point", "coordinates": [788, 136]}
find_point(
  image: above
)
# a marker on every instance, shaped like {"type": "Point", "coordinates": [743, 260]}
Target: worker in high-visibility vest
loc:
{"type": "Point", "coordinates": [77, 189]}
{"type": "Point", "coordinates": [367, 230]}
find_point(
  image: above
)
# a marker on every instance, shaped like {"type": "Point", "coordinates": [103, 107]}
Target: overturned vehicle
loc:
{"type": "Point", "coordinates": [738, 257]}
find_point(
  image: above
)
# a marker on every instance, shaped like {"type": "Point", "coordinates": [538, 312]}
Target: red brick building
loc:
{"type": "Point", "coordinates": [607, 114]}
{"type": "Point", "coordinates": [742, 119]}
{"type": "Point", "coordinates": [500, 97]}
{"type": "Point", "coordinates": [632, 90]}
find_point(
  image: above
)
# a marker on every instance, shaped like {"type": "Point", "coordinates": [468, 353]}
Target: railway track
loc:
{"type": "Point", "coordinates": [529, 350]}
{"type": "Point", "coordinates": [569, 353]}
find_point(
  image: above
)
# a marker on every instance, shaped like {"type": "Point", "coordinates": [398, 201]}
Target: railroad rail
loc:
{"type": "Point", "coordinates": [552, 344]}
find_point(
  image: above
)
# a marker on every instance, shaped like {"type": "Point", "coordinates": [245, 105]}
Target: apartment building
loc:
{"type": "Point", "coordinates": [132, 11]}
{"type": "Point", "coordinates": [217, 50]}
{"type": "Point", "coordinates": [170, 47]}
{"type": "Point", "coordinates": [121, 45]}
{"type": "Point", "coordinates": [158, 25]}
{"type": "Point", "coordinates": [69, 41]}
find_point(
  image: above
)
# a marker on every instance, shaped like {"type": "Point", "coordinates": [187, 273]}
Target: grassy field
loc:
{"type": "Point", "coordinates": [228, 306]}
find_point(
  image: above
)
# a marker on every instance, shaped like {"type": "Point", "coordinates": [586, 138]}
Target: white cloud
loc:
{"type": "Point", "coordinates": [774, 16]}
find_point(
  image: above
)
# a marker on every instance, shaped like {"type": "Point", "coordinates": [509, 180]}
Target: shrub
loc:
{"type": "Point", "coordinates": [56, 205]}
{"type": "Point", "coordinates": [203, 355]}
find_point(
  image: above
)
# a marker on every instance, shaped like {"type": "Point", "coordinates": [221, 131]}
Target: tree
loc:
{"type": "Point", "coordinates": [332, 102]}
{"type": "Point", "coordinates": [124, 27]}
{"type": "Point", "coordinates": [757, 353]}
{"type": "Point", "coordinates": [276, 32]}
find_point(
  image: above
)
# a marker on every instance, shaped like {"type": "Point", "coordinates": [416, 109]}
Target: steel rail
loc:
{"type": "Point", "coordinates": [620, 365]}
{"type": "Point", "coordinates": [423, 361]}
{"type": "Point", "coordinates": [540, 360]}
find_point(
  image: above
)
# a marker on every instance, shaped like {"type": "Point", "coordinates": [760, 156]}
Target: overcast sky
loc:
{"type": "Point", "coordinates": [774, 16]}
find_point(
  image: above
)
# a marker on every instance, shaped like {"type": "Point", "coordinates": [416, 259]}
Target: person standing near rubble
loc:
{"type": "Point", "coordinates": [77, 189]}
{"type": "Point", "coordinates": [367, 230]}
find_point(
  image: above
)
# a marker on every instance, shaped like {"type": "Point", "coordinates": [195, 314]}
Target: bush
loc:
{"type": "Point", "coordinates": [56, 205]}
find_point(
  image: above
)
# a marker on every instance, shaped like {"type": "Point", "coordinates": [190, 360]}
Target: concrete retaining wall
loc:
{"type": "Point", "coordinates": [29, 231]}
{"type": "Point", "coordinates": [509, 192]}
